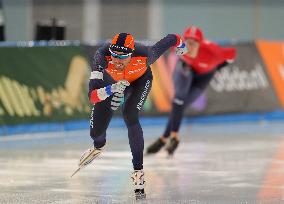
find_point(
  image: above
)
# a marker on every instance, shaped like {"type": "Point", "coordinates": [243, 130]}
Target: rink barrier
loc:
{"type": "Point", "coordinates": [145, 121]}
{"type": "Point", "coordinates": [254, 83]}
{"type": "Point", "coordinates": [43, 84]}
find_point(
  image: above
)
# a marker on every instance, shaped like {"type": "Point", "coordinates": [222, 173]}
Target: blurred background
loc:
{"type": "Point", "coordinates": [89, 20]}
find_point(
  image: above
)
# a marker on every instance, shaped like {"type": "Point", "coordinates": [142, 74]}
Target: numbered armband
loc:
{"type": "Point", "coordinates": [96, 75]}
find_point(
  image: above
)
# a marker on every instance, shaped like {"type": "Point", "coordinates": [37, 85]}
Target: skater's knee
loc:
{"type": "Point", "coordinates": [181, 95]}
{"type": "Point", "coordinates": [97, 130]}
{"type": "Point", "coordinates": [179, 101]}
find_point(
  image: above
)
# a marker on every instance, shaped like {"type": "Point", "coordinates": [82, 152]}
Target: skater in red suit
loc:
{"type": "Point", "coordinates": [192, 75]}
{"type": "Point", "coordinates": [121, 69]}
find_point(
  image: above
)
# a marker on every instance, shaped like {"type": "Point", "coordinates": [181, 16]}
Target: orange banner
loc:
{"type": "Point", "coordinates": [272, 53]}
{"type": "Point", "coordinates": [162, 90]}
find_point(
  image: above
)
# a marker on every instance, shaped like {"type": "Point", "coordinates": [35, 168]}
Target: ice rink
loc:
{"type": "Point", "coordinates": [215, 163]}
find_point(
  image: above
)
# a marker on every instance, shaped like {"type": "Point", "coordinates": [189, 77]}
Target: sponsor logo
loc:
{"type": "Point", "coordinates": [135, 71]}
{"type": "Point", "coordinates": [233, 79]}
{"type": "Point", "coordinates": [119, 47]}
{"type": "Point", "coordinates": [139, 62]}
{"type": "Point", "coordinates": [144, 95]}
{"type": "Point", "coordinates": [92, 118]}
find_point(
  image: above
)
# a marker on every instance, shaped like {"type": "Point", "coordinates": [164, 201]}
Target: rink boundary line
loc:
{"type": "Point", "coordinates": [145, 121]}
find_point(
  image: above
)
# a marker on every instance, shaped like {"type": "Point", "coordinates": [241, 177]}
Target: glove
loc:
{"type": "Point", "coordinates": [222, 65]}
{"type": "Point", "coordinates": [119, 86]}
{"type": "Point", "coordinates": [101, 94]}
{"type": "Point", "coordinates": [116, 100]}
{"type": "Point", "coordinates": [181, 49]}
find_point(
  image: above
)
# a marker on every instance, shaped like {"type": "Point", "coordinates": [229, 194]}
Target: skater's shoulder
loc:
{"type": "Point", "coordinates": [141, 49]}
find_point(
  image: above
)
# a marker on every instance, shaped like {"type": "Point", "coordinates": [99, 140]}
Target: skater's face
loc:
{"type": "Point", "coordinates": [193, 47]}
{"type": "Point", "coordinates": [120, 60]}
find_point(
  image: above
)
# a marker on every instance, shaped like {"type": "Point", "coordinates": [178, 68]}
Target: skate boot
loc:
{"type": "Point", "coordinates": [172, 146]}
{"type": "Point", "coordinates": [138, 183]}
{"type": "Point", "coordinates": [87, 157]}
{"type": "Point", "coordinates": [156, 146]}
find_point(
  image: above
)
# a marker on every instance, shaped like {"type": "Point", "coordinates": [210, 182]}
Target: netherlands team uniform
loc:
{"type": "Point", "coordinates": [109, 85]}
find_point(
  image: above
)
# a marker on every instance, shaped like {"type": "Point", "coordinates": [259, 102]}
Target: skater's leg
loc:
{"type": "Point", "coordinates": [199, 83]}
{"type": "Point", "coordinates": [182, 79]}
{"type": "Point", "coordinates": [98, 126]}
{"type": "Point", "coordinates": [135, 97]}
{"type": "Point", "coordinates": [101, 113]}
{"type": "Point", "coordinates": [100, 118]}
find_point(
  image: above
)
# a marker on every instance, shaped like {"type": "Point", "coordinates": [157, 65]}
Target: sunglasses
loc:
{"type": "Point", "coordinates": [119, 56]}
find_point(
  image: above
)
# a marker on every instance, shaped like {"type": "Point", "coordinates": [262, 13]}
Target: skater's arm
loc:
{"type": "Point", "coordinates": [99, 61]}
{"type": "Point", "coordinates": [171, 40]}
{"type": "Point", "coordinates": [221, 56]}
{"type": "Point", "coordinates": [98, 65]}
{"type": "Point", "coordinates": [228, 55]}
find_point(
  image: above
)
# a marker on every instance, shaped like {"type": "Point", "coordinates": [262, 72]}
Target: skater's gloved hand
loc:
{"type": "Point", "coordinates": [116, 100]}
{"type": "Point", "coordinates": [181, 49]}
{"type": "Point", "coordinates": [119, 86]}
{"type": "Point", "coordinates": [222, 65]}
{"type": "Point", "coordinates": [98, 95]}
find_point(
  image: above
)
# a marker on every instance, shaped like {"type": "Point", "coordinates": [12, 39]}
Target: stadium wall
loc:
{"type": "Point", "coordinates": [45, 85]}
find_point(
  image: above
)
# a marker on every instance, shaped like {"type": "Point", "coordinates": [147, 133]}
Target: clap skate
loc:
{"type": "Point", "coordinates": [87, 157]}
{"type": "Point", "coordinates": [172, 145]}
{"type": "Point", "coordinates": [155, 147]}
{"type": "Point", "coordinates": [138, 183]}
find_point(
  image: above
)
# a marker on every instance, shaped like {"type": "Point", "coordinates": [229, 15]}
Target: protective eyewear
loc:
{"type": "Point", "coordinates": [119, 56]}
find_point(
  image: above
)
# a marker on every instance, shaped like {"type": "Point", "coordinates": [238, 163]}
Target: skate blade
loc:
{"type": "Point", "coordinates": [170, 155]}
{"type": "Point", "coordinates": [93, 154]}
{"type": "Point", "coordinates": [75, 172]}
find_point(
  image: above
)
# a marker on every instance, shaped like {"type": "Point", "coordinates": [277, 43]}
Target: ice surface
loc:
{"type": "Point", "coordinates": [215, 163]}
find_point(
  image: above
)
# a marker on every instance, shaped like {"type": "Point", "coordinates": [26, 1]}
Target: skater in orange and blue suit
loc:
{"type": "Point", "coordinates": [121, 69]}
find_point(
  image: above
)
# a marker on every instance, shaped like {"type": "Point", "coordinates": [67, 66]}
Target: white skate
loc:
{"type": "Point", "coordinates": [138, 183]}
{"type": "Point", "coordinates": [87, 157]}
